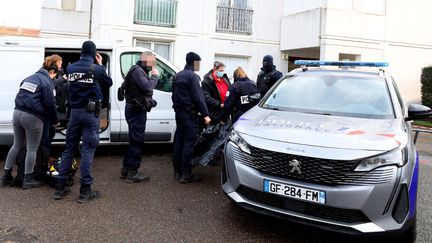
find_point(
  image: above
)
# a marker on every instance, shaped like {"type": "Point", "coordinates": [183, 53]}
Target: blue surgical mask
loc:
{"type": "Point", "coordinates": [219, 74]}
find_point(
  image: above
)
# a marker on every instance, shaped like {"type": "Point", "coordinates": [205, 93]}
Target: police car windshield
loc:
{"type": "Point", "coordinates": [333, 95]}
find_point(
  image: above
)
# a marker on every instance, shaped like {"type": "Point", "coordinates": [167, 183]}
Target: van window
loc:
{"type": "Point", "coordinates": [166, 74]}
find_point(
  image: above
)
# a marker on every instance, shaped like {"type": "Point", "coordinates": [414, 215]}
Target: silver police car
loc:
{"type": "Point", "coordinates": [330, 147]}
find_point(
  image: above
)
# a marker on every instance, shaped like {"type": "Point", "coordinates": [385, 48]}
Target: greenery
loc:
{"type": "Point", "coordinates": [423, 123]}
{"type": "Point", "coordinates": [426, 86]}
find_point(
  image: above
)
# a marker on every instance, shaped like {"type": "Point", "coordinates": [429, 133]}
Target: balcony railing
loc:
{"type": "Point", "coordinates": [156, 12]}
{"type": "Point", "coordinates": [234, 20]}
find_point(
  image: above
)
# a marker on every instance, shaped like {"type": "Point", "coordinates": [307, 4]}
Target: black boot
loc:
{"type": "Point", "coordinates": [188, 177]}
{"type": "Point", "coordinates": [61, 190]}
{"type": "Point", "coordinates": [135, 176]}
{"type": "Point", "coordinates": [7, 178]}
{"type": "Point", "coordinates": [124, 172]}
{"type": "Point", "coordinates": [87, 194]}
{"type": "Point", "coordinates": [30, 182]}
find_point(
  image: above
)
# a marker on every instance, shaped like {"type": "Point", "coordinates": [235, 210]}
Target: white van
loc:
{"type": "Point", "coordinates": [21, 57]}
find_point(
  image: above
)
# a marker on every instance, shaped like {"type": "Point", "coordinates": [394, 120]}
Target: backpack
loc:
{"type": "Point", "coordinates": [53, 170]}
{"type": "Point", "coordinates": [40, 168]}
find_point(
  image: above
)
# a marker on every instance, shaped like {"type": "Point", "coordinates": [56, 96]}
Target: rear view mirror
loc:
{"type": "Point", "coordinates": [254, 98]}
{"type": "Point", "coordinates": [416, 112]}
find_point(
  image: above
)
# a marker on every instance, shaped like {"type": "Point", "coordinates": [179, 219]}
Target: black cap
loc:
{"type": "Point", "coordinates": [191, 57]}
{"type": "Point", "coordinates": [88, 49]}
{"type": "Point", "coordinates": [268, 58]}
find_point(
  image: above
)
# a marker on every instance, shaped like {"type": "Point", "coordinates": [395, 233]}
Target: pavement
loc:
{"type": "Point", "coordinates": [163, 210]}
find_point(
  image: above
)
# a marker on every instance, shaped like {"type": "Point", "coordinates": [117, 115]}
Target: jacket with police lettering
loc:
{"type": "Point", "coordinates": [266, 79]}
{"type": "Point", "coordinates": [187, 92]}
{"type": "Point", "coordinates": [36, 96]}
{"type": "Point", "coordinates": [81, 91]}
{"type": "Point", "coordinates": [237, 97]}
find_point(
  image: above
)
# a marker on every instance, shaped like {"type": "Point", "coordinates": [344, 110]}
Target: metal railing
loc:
{"type": "Point", "coordinates": [156, 12]}
{"type": "Point", "coordinates": [234, 20]}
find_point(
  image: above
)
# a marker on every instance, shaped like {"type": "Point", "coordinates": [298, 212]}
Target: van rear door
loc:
{"type": "Point", "coordinates": [160, 125]}
{"type": "Point", "coordinates": [17, 63]}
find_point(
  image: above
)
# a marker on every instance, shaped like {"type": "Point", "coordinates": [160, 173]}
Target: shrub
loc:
{"type": "Point", "coordinates": [426, 86]}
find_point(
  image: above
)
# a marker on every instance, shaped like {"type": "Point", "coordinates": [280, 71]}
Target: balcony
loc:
{"type": "Point", "coordinates": [234, 20]}
{"type": "Point", "coordinates": [156, 12]}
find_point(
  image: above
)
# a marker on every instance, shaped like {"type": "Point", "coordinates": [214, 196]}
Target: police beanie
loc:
{"type": "Point", "coordinates": [88, 49]}
{"type": "Point", "coordinates": [191, 57]}
{"type": "Point", "coordinates": [268, 58]}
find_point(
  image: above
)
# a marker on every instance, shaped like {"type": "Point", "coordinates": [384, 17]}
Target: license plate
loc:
{"type": "Point", "coordinates": [294, 192]}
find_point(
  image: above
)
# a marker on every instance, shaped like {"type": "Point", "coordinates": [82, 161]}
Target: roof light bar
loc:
{"type": "Point", "coordinates": [340, 64]}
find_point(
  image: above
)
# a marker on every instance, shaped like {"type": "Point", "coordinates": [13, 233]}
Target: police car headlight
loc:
{"type": "Point", "coordinates": [396, 157]}
{"type": "Point", "coordinates": [235, 138]}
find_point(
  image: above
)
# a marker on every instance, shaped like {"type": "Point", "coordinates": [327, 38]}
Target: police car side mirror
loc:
{"type": "Point", "coordinates": [416, 112]}
{"type": "Point", "coordinates": [254, 98]}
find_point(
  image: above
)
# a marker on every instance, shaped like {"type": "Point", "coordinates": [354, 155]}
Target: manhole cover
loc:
{"type": "Point", "coordinates": [15, 235]}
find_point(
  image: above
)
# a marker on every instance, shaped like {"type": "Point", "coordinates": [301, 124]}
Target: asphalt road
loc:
{"type": "Point", "coordinates": [163, 210]}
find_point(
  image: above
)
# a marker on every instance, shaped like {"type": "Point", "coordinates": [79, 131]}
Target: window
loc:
{"type": "Point", "coordinates": [156, 12]}
{"type": "Point", "coordinates": [161, 48]}
{"type": "Point", "coordinates": [333, 95]}
{"type": "Point", "coordinates": [234, 16]}
{"type": "Point", "coordinates": [166, 74]}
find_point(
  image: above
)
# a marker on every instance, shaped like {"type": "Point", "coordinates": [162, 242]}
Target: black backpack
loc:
{"type": "Point", "coordinates": [40, 168]}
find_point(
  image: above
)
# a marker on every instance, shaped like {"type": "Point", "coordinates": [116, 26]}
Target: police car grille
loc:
{"type": "Point", "coordinates": [313, 169]}
{"type": "Point", "coordinates": [307, 208]}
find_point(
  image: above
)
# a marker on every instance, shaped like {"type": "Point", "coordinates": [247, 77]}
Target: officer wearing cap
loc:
{"type": "Point", "coordinates": [188, 100]}
{"type": "Point", "coordinates": [268, 75]}
{"type": "Point", "coordinates": [86, 81]}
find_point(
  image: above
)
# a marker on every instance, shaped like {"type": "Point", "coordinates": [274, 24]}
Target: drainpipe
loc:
{"type": "Point", "coordinates": [90, 21]}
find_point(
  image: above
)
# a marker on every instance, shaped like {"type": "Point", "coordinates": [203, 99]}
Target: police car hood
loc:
{"type": "Point", "coordinates": [321, 130]}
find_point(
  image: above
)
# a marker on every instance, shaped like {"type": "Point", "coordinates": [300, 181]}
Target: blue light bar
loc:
{"type": "Point", "coordinates": [340, 64]}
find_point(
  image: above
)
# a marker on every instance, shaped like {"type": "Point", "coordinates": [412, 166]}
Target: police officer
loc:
{"type": "Point", "coordinates": [138, 92]}
{"type": "Point", "coordinates": [86, 81]}
{"type": "Point", "coordinates": [188, 100]}
{"type": "Point", "coordinates": [238, 96]}
{"type": "Point", "coordinates": [268, 75]}
{"type": "Point", "coordinates": [34, 104]}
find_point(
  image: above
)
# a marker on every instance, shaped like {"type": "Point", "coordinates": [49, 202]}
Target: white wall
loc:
{"type": "Point", "coordinates": [21, 13]}
{"type": "Point", "coordinates": [58, 22]}
{"type": "Point", "coordinates": [297, 6]}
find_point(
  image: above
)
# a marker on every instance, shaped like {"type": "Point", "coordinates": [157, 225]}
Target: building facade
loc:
{"type": "Point", "coordinates": [362, 30]}
{"type": "Point", "coordinates": [236, 32]}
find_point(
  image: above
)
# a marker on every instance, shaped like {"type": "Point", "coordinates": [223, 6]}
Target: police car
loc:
{"type": "Point", "coordinates": [329, 145]}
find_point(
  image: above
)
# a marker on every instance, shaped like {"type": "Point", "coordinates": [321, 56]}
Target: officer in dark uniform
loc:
{"type": "Point", "coordinates": [138, 87]}
{"type": "Point", "coordinates": [268, 75]}
{"type": "Point", "coordinates": [238, 96]}
{"type": "Point", "coordinates": [86, 81]}
{"type": "Point", "coordinates": [188, 100]}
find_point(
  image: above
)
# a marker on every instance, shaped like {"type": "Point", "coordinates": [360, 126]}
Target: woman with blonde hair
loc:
{"type": "Point", "coordinates": [238, 95]}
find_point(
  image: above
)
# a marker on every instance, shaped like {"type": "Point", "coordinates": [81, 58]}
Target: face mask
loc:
{"type": "Point", "coordinates": [219, 74]}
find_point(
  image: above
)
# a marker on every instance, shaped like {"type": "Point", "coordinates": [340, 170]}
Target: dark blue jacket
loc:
{"type": "Point", "coordinates": [238, 98]}
{"type": "Point", "coordinates": [187, 93]}
{"type": "Point", "coordinates": [266, 79]}
{"type": "Point", "coordinates": [81, 91]}
{"type": "Point", "coordinates": [36, 96]}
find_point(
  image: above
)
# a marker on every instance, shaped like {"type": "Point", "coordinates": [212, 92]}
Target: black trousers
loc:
{"type": "Point", "coordinates": [184, 141]}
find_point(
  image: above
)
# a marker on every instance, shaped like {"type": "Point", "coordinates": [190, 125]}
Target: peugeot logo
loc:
{"type": "Point", "coordinates": [296, 165]}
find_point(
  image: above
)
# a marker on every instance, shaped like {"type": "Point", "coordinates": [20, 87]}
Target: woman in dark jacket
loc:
{"type": "Point", "coordinates": [215, 86]}
{"type": "Point", "coordinates": [34, 102]}
{"type": "Point", "coordinates": [238, 96]}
